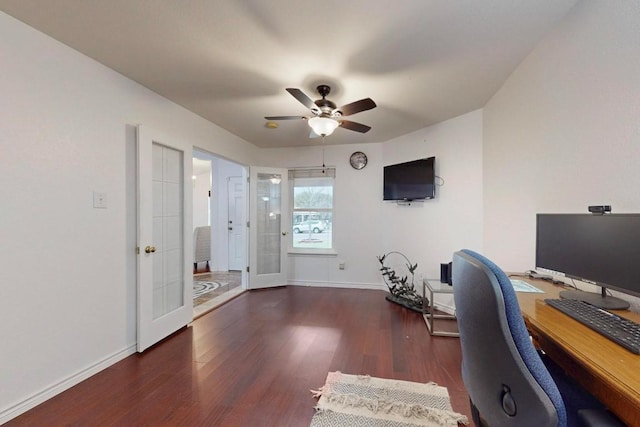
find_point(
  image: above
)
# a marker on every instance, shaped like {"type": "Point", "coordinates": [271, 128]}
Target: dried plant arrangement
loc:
{"type": "Point", "coordinates": [401, 288]}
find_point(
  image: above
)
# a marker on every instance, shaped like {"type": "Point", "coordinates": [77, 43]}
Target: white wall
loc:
{"type": "Point", "coordinates": [365, 226]}
{"type": "Point", "coordinates": [563, 132]}
{"type": "Point", "coordinates": [430, 232]}
{"type": "Point", "coordinates": [67, 299]}
{"type": "Point", "coordinates": [201, 188]}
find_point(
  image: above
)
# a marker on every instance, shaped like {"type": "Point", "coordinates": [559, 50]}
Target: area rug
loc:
{"type": "Point", "coordinates": [201, 288]}
{"type": "Point", "coordinates": [361, 400]}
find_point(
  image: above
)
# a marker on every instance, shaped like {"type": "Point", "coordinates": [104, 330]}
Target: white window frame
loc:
{"type": "Point", "coordinates": [311, 173]}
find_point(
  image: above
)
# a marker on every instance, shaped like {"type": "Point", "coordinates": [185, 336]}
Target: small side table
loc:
{"type": "Point", "coordinates": [434, 286]}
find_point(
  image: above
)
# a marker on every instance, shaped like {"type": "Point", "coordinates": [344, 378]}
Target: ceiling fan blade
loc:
{"type": "Point", "coordinates": [286, 118]}
{"type": "Point", "coordinates": [300, 96]}
{"type": "Point", "coordinates": [358, 106]}
{"type": "Point", "coordinates": [358, 127]}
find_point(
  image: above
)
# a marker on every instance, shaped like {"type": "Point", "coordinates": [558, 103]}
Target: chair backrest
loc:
{"type": "Point", "coordinates": [202, 244]}
{"type": "Point", "coordinates": [502, 372]}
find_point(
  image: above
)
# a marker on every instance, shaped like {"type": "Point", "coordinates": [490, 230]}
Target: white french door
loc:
{"type": "Point", "coordinates": [165, 237]}
{"type": "Point", "coordinates": [269, 227]}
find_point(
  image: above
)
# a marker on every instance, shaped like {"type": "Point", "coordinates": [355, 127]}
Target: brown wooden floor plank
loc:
{"type": "Point", "coordinates": [253, 361]}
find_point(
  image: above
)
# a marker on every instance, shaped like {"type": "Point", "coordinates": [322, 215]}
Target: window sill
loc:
{"type": "Point", "coordinates": [312, 252]}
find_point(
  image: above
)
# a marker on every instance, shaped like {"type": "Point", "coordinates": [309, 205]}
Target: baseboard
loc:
{"type": "Point", "coordinates": [347, 285]}
{"type": "Point", "coordinates": [355, 285]}
{"type": "Point", "coordinates": [51, 391]}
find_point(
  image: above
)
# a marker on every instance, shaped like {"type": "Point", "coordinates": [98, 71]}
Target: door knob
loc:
{"type": "Point", "coordinates": [284, 233]}
{"type": "Point", "coordinates": [150, 249]}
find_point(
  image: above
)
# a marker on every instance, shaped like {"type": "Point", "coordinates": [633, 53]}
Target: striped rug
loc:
{"type": "Point", "coordinates": [357, 400]}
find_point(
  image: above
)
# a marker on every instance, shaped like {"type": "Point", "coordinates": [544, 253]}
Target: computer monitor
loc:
{"type": "Point", "coordinates": [603, 250]}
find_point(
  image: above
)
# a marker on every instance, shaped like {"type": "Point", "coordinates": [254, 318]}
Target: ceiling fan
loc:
{"type": "Point", "coordinates": [326, 116]}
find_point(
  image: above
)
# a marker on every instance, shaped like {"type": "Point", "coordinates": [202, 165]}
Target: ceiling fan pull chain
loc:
{"type": "Point", "coordinates": [323, 167]}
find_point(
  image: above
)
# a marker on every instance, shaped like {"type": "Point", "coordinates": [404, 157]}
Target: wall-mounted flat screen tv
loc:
{"type": "Point", "coordinates": [409, 181]}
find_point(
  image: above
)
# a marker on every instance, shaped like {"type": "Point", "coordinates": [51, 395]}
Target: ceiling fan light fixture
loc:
{"type": "Point", "coordinates": [323, 126]}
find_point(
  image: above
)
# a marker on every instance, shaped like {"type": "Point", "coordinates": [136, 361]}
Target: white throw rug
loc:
{"type": "Point", "coordinates": [359, 400]}
{"type": "Point", "coordinates": [201, 288]}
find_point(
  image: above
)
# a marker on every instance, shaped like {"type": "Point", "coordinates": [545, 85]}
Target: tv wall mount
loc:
{"type": "Point", "coordinates": [407, 202]}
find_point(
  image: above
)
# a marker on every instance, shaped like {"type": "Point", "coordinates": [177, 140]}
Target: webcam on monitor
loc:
{"type": "Point", "coordinates": [600, 209]}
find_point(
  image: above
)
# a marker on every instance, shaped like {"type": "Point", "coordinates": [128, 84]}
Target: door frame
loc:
{"type": "Point", "coordinates": [217, 218]}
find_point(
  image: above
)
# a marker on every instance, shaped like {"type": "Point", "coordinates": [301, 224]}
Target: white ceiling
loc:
{"type": "Point", "coordinates": [229, 61]}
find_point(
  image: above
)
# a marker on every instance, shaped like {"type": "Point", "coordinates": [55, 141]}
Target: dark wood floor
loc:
{"type": "Point", "coordinates": [253, 361]}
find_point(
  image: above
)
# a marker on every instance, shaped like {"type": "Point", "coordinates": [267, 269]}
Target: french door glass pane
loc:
{"type": "Point", "coordinates": [269, 210]}
{"type": "Point", "coordinates": [168, 260]}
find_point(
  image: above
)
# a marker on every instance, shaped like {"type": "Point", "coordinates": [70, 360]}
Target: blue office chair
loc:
{"type": "Point", "coordinates": [507, 382]}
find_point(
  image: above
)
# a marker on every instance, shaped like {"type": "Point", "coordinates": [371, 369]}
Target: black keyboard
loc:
{"type": "Point", "coordinates": [618, 329]}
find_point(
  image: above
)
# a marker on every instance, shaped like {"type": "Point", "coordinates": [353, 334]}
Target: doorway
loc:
{"type": "Point", "coordinates": [219, 206]}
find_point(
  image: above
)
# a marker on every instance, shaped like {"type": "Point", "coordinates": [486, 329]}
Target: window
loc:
{"type": "Point", "coordinates": [312, 208]}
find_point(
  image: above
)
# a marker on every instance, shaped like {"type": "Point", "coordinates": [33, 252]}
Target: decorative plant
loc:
{"type": "Point", "coordinates": [401, 288]}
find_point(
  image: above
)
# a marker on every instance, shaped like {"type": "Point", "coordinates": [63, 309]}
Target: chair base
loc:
{"type": "Point", "coordinates": [583, 409]}
{"type": "Point", "coordinates": [593, 418]}
{"type": "Point", "coordinates": [475, 415]}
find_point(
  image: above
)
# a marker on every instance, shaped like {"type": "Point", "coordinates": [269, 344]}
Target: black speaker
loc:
{"type": "Point", "coordinates": [445, 273]}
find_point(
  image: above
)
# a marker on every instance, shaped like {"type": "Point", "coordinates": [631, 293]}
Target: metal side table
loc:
{"type": "Point", "coordinates": [434, 286]}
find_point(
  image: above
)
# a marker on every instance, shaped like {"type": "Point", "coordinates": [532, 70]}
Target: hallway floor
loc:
{"type": "Point", "coordinates": [230, 286]}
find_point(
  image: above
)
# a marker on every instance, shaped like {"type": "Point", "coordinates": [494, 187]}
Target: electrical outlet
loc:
{"type": "Point", "coordinates": [341, 265]}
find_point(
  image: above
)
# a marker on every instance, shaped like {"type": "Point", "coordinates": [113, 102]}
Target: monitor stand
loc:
{"type": "Point", "coordinates": [601, 300]}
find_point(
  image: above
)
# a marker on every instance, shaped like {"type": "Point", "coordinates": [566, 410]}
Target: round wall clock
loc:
{"type": "Point", "coordinates": [358, 160]}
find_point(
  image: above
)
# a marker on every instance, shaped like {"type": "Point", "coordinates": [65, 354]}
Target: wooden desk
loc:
{"type": "Point", "coordinates": [607, 370]}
